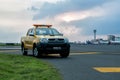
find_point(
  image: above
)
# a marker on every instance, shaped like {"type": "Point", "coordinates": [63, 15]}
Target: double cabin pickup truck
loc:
{"type": "Point", "coordinates": [43, 39]}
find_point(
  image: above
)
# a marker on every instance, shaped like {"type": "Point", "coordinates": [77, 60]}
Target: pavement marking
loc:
{"type": "Point", "coordinates": [9, 50]}
{"type": "Point", "coordinates": [108, 69]}
{"type": "Point", "coordinates": [82, 53]}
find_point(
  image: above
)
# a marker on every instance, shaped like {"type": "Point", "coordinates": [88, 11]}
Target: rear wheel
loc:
{"type": "Point", "coordinates": [24, 50]}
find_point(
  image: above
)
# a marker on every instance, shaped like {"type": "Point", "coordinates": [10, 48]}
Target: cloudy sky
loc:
{"type": "Point", "coordinates": [76, 19]}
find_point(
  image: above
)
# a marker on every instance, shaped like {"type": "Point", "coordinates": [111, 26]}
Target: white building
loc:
{"type": "Point", "coordinates": [113, 39]}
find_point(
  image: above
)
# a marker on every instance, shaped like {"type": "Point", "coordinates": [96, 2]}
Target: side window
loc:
{"type": "Point", "coordinates": [30, 32]}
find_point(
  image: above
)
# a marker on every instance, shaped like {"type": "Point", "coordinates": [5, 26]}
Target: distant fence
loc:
{"type": "Point", "coordinates": [9, 44]}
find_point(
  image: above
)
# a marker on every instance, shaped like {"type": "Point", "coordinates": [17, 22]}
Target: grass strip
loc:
{"type": "Point", "coordinates": [17, 67]}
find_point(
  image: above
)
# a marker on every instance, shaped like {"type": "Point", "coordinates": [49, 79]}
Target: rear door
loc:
{"type": "Point", "coordinates": [29, 38]}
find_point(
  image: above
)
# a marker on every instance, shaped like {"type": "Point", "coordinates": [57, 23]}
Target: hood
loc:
{"type": "Point", "coordinates": [48, 36]}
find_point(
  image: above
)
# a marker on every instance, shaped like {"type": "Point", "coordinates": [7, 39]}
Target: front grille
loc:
{"type": "Point", "coordinates": [56, 40]}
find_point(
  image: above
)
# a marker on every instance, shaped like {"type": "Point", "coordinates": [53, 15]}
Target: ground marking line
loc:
{"type": "Point", "coordinates": [82, 53]}
{"type": "Point", "coordinates": [9, 50]}
{"type": "Point", "coordinates": [107, 69]}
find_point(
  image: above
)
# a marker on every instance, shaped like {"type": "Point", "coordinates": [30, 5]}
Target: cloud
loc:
{"type": "Point", "coordinates": [107, 23]}
{"type": "Point", "coordinates": [14, 19]}
{"type": "Point", "coordinates": [80, 15]}
{"type": "Point", "coordinates": [76, 19]}
{"type": "Point", "coordinates": [13, 5]}
{"type": "Point", "coordinates": [51, 9]}
{"type": "Point", "coordinates": [49, 1]}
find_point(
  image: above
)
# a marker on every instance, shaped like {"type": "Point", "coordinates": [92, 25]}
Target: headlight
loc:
{"type": "Point", "coordinates": [44, 40]}
{"type": "Point", "coordinates": [66, 40]}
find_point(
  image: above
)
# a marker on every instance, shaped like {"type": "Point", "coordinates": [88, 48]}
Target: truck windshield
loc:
{"type": "Point", "coordinates": [47, 31]}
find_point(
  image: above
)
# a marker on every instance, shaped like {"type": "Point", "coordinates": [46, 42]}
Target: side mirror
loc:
{"type": "Point", "coordinates": [31, 34]}
{"type": "Point", "coordinates": [61, 34]}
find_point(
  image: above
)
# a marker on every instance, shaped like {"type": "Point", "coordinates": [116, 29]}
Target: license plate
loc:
{"type": "Point", "coordinates": [57, 48]}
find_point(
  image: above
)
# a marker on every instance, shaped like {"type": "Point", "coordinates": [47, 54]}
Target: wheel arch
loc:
{"type": "Point", "coordinates": [34, 45]}
{"type": "Point", "coordinates": [22, 44]}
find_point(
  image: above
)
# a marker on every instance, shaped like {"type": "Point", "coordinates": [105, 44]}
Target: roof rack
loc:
{"type": "Point", "coordinates": [42, 25]}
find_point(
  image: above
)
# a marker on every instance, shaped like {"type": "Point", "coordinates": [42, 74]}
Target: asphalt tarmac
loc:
{"type": "Point", "coordinates": [76, 48]}
{"type": "Point", "coordinates": [82, 66]}
{"type": "Point", "coordinates": [86, 62]}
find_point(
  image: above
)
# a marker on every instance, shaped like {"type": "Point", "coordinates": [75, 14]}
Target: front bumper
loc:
{"type": "Point", "coordinates": [53, 47]}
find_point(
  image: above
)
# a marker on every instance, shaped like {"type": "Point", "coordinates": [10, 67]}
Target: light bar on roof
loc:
{"type": "Point", "coordinates": [41, 25]}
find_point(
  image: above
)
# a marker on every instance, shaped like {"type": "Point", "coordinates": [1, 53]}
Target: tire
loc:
{"type": "Point", "coordinates": [36, 52]}
{"type": "Point", "coordinates": [24, 50]}
{"type": "Point", "coordinates": [64, 54]}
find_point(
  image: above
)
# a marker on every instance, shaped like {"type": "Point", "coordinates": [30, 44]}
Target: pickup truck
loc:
{"type": "Point", "coordinates": [43, 39]}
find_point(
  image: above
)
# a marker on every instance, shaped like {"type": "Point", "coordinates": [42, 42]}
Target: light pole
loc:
{"type": "Point", "coordinates": [94, 31]}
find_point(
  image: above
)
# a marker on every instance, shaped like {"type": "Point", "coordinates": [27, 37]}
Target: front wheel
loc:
{"type": "Point", "coordinates": [36, 52]}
